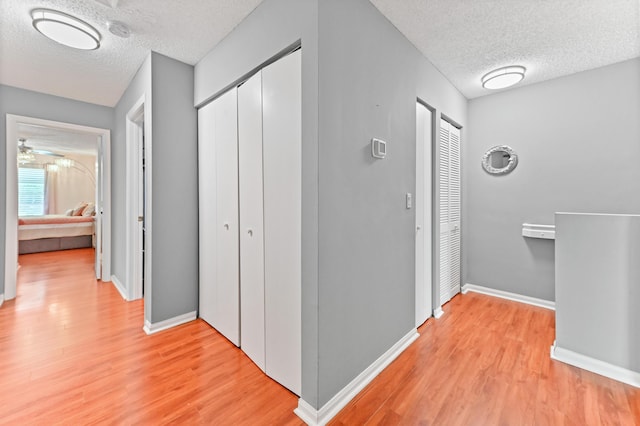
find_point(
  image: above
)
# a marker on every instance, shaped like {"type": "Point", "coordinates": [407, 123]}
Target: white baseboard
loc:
{"type": "Point", "coordinates": [438, 312]}
{"type": "Point", "coordinates": [118, 285]}
{"type": "Point", "coordinates": [150, 328]}
{"type": "Point", "coordinates": [602, 368]}
{"type": "Point", "coordinates": [547, 304]}
{"type": "Point", "coordinates": [321, 417]}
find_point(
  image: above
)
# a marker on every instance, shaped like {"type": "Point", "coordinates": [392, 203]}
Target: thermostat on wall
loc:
{"type": "Point", "coordinates": [378, 148]}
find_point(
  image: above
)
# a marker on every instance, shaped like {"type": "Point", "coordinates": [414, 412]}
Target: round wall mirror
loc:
{"type": "Point", "coordinates": [499, 160]}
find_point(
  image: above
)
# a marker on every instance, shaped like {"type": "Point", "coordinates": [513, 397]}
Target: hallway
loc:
{"type": "Point", "coordinates": [73, 352]}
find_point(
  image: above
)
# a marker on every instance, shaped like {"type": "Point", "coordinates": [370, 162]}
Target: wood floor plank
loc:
{"type": "Point", "coordinates": [73, 352]}
{"type": "Point", "coordinates": [486, 362]}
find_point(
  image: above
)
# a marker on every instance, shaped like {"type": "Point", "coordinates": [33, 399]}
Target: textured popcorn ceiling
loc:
{"type": "Point", "coordinates": [465, 39]}
{"type": "Point", "coordinates": [58, 140]}
{"type": "Point", "coordinates": [182, 29]}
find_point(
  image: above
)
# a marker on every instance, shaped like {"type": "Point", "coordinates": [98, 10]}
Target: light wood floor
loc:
{"type": "Point", "coordinates": [73, 352]}
{"type": "Point", "coordinates": [486, 362]}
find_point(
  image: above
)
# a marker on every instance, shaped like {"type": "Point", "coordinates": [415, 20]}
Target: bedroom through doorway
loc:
{"type": "Point", "coordinates": [58, 195]}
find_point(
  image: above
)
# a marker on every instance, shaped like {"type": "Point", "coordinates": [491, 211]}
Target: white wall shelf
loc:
{"type": "Point", "coordinates": [532, 230]}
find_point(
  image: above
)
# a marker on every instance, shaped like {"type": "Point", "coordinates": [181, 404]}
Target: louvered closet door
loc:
{"type": "Point", "coordinates": [252, 303]}
{"type": "Point", "coordinates": [218, 215]}
{"type": "Point", "coordinates": [450, 213]}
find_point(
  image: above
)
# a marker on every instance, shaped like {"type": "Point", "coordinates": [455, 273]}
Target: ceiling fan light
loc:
{"type": "Point", "coordinates": [26, 157]}
{"type": "Point", "coordinates": [52, 168]}
{"type": "Point", "coordinates": [64, 162]}
{"type": "Point", "coordinates": [65, 29]}
{"type": "Point", "coordinates": [503, 77]}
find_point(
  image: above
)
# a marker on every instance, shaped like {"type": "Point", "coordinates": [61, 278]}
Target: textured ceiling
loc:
{"type": "Point", "coordinates": [182, 29]}
{"type": "Point", "coordinates": [465, 39]}
{"type": "Point", "coordinates": [58, 140]}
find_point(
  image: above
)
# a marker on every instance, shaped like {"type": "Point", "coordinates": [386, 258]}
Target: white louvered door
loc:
{"type": "Point", "coordinates": [450, 210]}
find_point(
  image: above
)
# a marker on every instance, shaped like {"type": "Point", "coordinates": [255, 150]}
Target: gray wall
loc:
{"type": "Point", "coordinates": [174, 190]}
{"type": "Point", "coordinates": [33, 104]}
{"type": "Point", "coordinates": [140, 85]}
{"type": "Point", "coordinates": [167, 85]}
{"type": "Point", "coordinates": [577, 142]}
{"type": "Point", "coordinates": [598, 288]}
{"type": "Point", "coordinates": [270, 28]}
{"type": "Point", "coordinates": [370, 77]}
{"type": "Point", "coordinates": [358, 241]}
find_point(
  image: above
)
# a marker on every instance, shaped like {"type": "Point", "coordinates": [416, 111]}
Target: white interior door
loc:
{"type": "Point", "coordinates": [99, 210]}
{"type": "Point", "coordinates": [218, 208]}
{"type": "Point", "coordinates": [450, 204]}
{"type": "Point", "coordinates": [207, 212]}
{"type": "Point", "coordinates": [139, 253]}
{"type": "Point", "coordinates": [423, 214]}
{"type": "Point", "coordinates": [282, 130]}
{"type": "Point", "coordinates": [252, 331]}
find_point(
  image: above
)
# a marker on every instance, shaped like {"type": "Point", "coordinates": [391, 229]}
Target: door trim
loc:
{"type": "Point", "coordinates": [134, 132]}
{"type": "Point", "coordinates": [11, 196]}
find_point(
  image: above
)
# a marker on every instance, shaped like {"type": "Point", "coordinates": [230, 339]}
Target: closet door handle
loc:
{"type": "Point", "coordinates": [250, 232]}
{"type": "Point", "coordinates": [226, 226]}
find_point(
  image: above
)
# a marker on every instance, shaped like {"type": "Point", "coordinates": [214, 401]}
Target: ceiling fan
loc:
{"type": "Point", "coordinates": [24, 149]}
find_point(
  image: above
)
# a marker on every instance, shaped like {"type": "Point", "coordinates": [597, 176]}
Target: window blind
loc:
{"type": "Point", "coordinates": [31, 189]}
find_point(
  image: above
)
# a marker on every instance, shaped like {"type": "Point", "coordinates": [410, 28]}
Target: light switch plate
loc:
{"type": "Point", "coordinates": [409, 200]}
{"type": "Point", "coordinates": [378, 148]}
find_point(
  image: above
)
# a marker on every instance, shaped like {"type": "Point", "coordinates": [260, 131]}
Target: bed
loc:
{"type": "Point", "coordinates": [54, 232]}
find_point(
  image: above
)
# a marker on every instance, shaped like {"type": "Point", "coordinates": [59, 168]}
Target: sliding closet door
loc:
{"type": "Point", "coordinates": [282, 219]}
{"type": "Point", "coordinates": [251, 220]}
{"type": "Point", "coordinates": [449, 190]}
{"type": "Point", "coordinates": [423, 214]}
{"type": "Point", "coordinates": [218, 176]}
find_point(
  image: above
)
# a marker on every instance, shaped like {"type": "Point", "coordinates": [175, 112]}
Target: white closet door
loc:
{"type": "Point", "coordinates": [423, 214]}
{"type": "Point", "coordinates": [219, 263]}
{"type": "Point", "coordinates": [449, 190]}
{"type": "Point", "coordinates": [454, 209]}
{"type": "Point", "coordinates": [282, 133]}
{"type": "Point", "coordinates": [252, 302]}
{"type": "Point", "coordinates": [207, 212]}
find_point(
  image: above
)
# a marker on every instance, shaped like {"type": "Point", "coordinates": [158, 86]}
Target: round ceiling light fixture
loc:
{"type": "Point", "coordinates": [65, 29]}
{"type": "Point", "coordinates": [503, 77]}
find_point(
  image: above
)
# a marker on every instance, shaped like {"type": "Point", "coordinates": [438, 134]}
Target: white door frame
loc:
{"type": "Point", "coordinates": [11, 197]}
{"type": "Point", "coordinates": [424, 217]}
{"type": "Point", "coordinates": [138, 128]}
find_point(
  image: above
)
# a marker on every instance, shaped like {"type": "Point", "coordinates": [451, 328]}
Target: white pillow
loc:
{"type": "Point", "coordinates": [90, 210]}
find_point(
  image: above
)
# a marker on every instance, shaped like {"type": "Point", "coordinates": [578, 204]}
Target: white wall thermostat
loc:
{"type": "Point", "coordinates": [378, 148]}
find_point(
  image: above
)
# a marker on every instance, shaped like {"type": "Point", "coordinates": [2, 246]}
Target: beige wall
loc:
{"type": "Point", "coordinates": [71, 185]}
{"type": "Point", "coordinates": [74, 184]}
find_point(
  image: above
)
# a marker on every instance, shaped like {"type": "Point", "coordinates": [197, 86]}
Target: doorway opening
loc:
{"type": "Point", "coordinates": [34, 152]}
{"type": "Point", "coordinates": [138, 214]}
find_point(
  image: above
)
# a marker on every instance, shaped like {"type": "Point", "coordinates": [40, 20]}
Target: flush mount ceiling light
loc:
{"type": "Point", "coordinates": [503, 77]}
{"type": "Point", "coordinates": [65, 29]}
